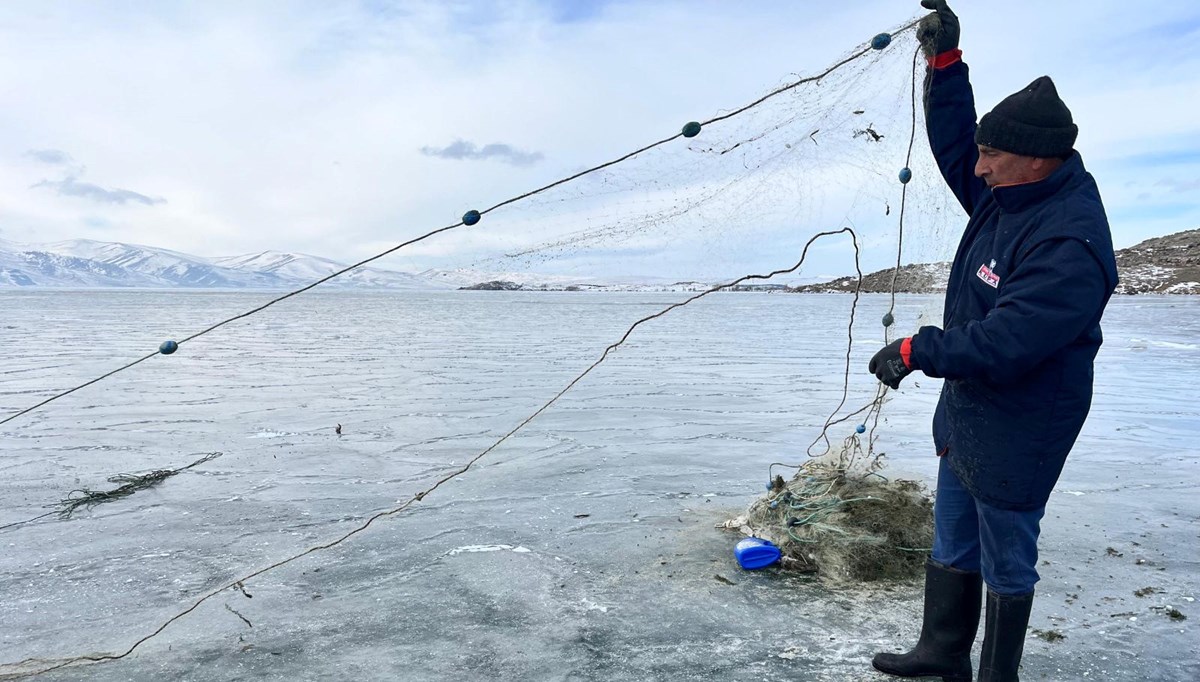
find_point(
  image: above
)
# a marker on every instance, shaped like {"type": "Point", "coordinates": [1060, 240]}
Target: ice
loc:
{"type": "Point", "coordinates": [614, 492]}
{"type": "Point", "coordinates": [1142, 344]}
{"type": "Point", "coordinates": [487, 548]}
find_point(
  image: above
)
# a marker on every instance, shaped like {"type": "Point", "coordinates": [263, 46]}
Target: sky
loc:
{"type": "Point", "coordinates": [343, 128]}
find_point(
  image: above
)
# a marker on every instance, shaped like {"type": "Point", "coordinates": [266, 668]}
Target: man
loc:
{"type": "Point", "coordinates": [1029, 282]}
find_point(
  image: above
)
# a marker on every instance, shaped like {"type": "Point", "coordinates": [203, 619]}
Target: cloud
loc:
{"type": "Point", "coordinates": [73, 188]}
{"type": "Point", "coordinates": [51, 156]}
{"type": "Point", "coordinates": [461, 150]}
{"type": "Point", "coordinates": [1180, 185]}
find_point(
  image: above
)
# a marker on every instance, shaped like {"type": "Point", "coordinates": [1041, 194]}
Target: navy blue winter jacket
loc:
{"type": "Point", "coordinates": [1029, 283]}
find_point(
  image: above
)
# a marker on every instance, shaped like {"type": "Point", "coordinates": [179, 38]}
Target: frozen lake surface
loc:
{"type": "Point", "coordinates": [584, 547]}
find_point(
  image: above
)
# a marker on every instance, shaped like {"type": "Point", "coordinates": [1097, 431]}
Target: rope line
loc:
{"type": "Point", "coordinates": [882, 388]}
{"type": "Point", "coordinates": [907, 27]}
{"type": "Point", "coordinates": [72, 390]}
{"type": "Point", "coordinates": [774, 93]}
{"type": "Point", "coordinates": [805, 507]}
{"type": "Point", "coordinates": [238, 583]}
{"type": "Point", "coordinates": [904, 193]}
{"type": "Point", "coordinates": [849, 348]}
{"type": "Point", "coordinates": [21, 523]}
{"type": "Point", "coordinates": [874, 408]}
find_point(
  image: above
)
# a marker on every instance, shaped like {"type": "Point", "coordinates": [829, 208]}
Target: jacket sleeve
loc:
{"type": "Point", "coordinates": [1053, 296]}
{"type": "Point", "coordinates": [950, 123]}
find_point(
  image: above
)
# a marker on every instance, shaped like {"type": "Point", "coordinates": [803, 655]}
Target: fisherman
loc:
{"type": "Point", "coordinates": [1028, 285]}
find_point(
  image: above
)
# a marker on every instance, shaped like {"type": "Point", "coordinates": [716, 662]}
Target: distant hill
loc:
{"type": "Point", "coordinates": [494, 285]}
{"type": "Point", "coordinates": [919, 278]}
{"type": "Point", "coordinates": [1162, 265]}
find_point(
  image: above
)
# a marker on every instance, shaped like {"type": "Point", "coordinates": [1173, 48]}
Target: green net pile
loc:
{"type": "Point", "coordinates": [845, 521]}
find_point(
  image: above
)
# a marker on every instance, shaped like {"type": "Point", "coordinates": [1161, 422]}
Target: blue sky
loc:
{"type": "Point", "coordinates": [342, 128]}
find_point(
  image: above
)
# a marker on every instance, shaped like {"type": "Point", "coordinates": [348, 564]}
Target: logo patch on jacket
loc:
{"type": "Point", "coordinates": [988, 276]}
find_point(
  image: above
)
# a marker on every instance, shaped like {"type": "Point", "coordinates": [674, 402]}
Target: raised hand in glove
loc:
{"type": "Point", "coordinates": [938, 31]}
{"type": "Point", "coordinates": [893, 363]}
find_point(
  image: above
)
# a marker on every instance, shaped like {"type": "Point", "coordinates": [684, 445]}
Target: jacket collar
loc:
{"type": "Point", "coordinates": [1016, 198]}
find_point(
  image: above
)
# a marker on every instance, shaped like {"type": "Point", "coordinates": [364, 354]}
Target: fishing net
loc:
{"type": "Point", "coordinates": [829, 152]}
{"type": "Point", "coordinates": [826, 175]}
{"type": "Point", "coordinates": [847, 524]}
{"type": "Point", "coordinates": [821, 152]}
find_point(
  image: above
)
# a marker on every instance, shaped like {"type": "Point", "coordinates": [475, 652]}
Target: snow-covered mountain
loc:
{"type": "Point", "coordinates": [134, 265]}
{"type": "Point", "coordinates": [87, 263]}
{"type": "Point", "coordinates": [302, 268]}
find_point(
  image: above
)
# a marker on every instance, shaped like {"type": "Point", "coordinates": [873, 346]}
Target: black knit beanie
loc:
{"type": "Point", "coordinates": [1032, 122]}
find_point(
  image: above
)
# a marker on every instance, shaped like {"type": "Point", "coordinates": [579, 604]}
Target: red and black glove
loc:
{"type": "Point", "coordinates": [938, 34]}
{"type": "Point", "coordinates": [893, 363]}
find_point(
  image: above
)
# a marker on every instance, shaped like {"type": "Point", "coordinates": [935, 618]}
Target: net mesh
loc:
{"type": "Point", "coordinates": [824, 154]}
{"type": "Point", "coordinates": [745, 194]}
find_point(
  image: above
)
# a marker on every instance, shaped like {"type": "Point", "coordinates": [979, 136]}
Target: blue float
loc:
{"type": "Point", "coordinates": [755, 553]}
{"type": "Point", "coordinates": [168, 347]}
{"type": "Point", "coordinates": [888, 320]}
{"type": "Point", "coordinates": [905, 175]}
{"type": "Point", "coordinates": [770, 485]}
{"type": "Point", "coordinates": [881, 41]}
{"type": "Point", "coordinates": [691, 129]}
{"type": "Point", "coordinates": [861, 428]}
{"type": "Point", "coordinates": [471, 217]}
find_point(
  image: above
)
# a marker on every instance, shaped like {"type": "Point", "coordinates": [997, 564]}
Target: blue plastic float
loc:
{"type": "Point", "coordinates": [756, 553]}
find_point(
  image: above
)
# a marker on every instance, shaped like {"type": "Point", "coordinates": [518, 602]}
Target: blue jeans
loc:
{"type": "Point", "coordinates": [972, 536]}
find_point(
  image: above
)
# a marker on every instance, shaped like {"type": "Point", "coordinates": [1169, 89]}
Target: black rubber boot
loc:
{"type": "Point", "coordinates": [1004, 637]}
{"type": "Point", "coordinates": [952, 600]}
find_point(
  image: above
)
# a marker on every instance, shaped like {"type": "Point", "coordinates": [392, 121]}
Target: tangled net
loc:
{"type": "Point", "coordinates": [130, 484]}
{"type": "Point", "coordinates": [840, 518]}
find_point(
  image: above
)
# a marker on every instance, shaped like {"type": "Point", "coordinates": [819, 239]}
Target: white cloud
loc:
{"type": "Point", "coordinates": [53, 157]}
{"type": "Point", "coordinates": [463, 150]}
{"type": "Point", "coordinates": [72, 187]}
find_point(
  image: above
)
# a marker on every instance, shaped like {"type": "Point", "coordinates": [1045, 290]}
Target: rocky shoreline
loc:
{"type": "Point", "coordinates": [1162, 265]}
